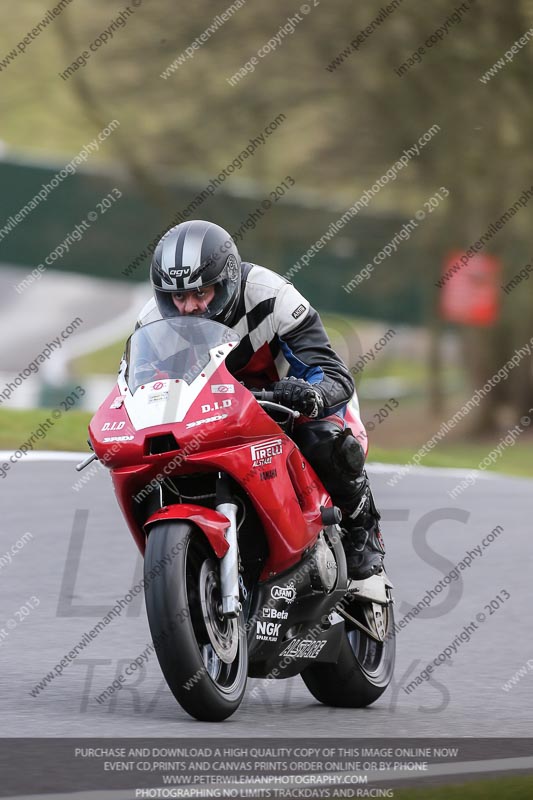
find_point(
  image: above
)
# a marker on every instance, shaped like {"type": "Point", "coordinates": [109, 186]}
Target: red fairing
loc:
{"type": "Point", "coordinates": [213, 524]}
{"type": "Point", "coordinates": [246, 444]}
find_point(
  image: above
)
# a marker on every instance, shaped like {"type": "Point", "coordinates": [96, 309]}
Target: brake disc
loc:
{"type": "Point", "coordinates": [222, 632]}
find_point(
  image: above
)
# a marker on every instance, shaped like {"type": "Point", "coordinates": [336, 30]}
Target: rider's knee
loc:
{"type": "Point", "coordinates": [349, 454]}
{"type": "Point", "coordinates": [326, 446]}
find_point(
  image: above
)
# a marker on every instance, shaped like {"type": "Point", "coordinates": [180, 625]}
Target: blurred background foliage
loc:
{"type": "Point", "coordinates": [343, 130]}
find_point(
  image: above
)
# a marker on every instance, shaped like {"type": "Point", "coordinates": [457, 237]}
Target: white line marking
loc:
{"type": "Point", "coordinates": [373, 466]}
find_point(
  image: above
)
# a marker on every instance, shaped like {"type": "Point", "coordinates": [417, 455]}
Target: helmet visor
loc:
{"type": "Point", "coordinates": [211, 299]}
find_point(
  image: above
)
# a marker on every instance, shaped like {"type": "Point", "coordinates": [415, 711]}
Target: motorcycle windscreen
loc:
{"type": "Point", "coordinates": [168, 364]}
{"type": "Point", "coordinates": [175, 348]}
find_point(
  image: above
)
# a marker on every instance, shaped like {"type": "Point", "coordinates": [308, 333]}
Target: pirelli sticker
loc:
{"type": "Point", "coordinates": [262, 454]}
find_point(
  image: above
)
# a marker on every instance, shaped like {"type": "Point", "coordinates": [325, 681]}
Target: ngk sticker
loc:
{"type": "Point", "coordinates": [223, 388]}
{"type": "Point", "coordinates": [159, 385]}
{"type": "Point", "coordinates": [117, 402]}
{"type": "Point", "coordinates": [268, 631]}
{"type": "Point", "coordinates": [264, 453]}
{"type": "Point", "coordinates": [113, 426]}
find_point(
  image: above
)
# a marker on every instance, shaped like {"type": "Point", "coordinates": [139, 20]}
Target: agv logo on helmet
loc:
{"type": "Point", "coordinates": [182, 272]}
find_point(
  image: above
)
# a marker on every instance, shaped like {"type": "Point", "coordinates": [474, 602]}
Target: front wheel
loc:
{"type": "Point", "coordinates": [363, 669]}
{"type": "Point", "coordinates": [203, 656]}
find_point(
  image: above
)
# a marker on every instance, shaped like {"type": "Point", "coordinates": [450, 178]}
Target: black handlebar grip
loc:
{"type": "Point", "coordinates": [263, 394]}
{"type": "Point", "coordinates": [331, 515]}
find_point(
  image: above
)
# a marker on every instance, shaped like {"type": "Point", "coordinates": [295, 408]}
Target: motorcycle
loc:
{"type": "Point", "coordinates": [244, 569]}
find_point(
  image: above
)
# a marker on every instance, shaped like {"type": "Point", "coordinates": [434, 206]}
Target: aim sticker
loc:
{"type": "Point", "coordinates": [287, 593]}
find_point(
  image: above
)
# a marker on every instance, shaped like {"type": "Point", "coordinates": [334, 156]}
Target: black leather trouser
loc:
{"type": "Point", "coordinates": [337, 458]}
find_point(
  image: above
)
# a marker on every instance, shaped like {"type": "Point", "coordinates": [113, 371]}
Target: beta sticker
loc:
{"type": "Point", "coordinates": [273, 613]}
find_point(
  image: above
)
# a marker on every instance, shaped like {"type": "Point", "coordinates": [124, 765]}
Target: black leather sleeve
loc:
{"type": "Point", "coordinates": [308, 350]}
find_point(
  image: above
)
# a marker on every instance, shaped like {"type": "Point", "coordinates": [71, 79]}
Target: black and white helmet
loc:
{"type": "Point", "coordinates": [192, 255]}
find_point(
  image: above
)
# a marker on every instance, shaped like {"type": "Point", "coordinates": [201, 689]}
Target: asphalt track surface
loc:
{"type": "Point", "coordinates": [81, 559]}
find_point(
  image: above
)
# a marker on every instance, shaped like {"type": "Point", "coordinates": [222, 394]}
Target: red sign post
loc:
{"type": "Point", "coordinates": [470, 293]}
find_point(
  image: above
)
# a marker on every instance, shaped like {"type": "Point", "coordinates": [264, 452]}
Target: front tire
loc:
{"type": "Point", "coordinates": [203, 656]}
{"type": "Point", "coordinates": [362, 672]}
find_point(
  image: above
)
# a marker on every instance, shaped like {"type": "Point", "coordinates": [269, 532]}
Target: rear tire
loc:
{"type": "Point", "coordinates": [203, 657]}
{"type": "Point", "coordinates": [363, 670]}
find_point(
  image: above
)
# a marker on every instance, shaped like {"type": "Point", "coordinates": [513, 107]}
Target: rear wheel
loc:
{"type": "Point", "coordinates": [364, 667]}
{"type": "Point", "coordinates": [203, 656]}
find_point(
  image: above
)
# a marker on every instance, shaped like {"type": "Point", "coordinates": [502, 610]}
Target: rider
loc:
{"type": "Point", "coordinates": [196, 269]}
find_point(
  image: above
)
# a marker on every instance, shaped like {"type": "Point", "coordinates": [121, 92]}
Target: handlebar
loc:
{"type": "Point", "coordinates": [86, 462]}
{"type": "Point", "coordinates": [263, 394]}
{"type": "Point", "coordinates": [266, 398]}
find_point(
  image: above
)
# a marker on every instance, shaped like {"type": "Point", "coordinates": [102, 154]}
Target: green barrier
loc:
{"type": "Point", "coordinates": [118, 242]}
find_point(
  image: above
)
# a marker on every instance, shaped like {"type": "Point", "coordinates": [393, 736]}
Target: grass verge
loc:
{"type": "Point", "coordinates": [516, 460]}
{"type": "Point", "coordinates": [70, 433]}
{"type": "Point", "coordinates": [516, 788]}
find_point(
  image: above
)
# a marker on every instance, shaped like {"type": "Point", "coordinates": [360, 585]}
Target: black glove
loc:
{"type": "Point", "coordinates": [300, 395]}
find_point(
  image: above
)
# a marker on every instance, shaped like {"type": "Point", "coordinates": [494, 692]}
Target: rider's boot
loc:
{"type": "Point", "coordinates": [363, 543]}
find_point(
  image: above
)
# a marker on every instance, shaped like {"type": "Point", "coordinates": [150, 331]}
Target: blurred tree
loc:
{"type": "Point", "coordinates": [344, 128]}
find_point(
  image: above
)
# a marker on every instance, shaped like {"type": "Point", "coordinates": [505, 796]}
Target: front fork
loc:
{"type": "Point", "coordinates": [229, 564]}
